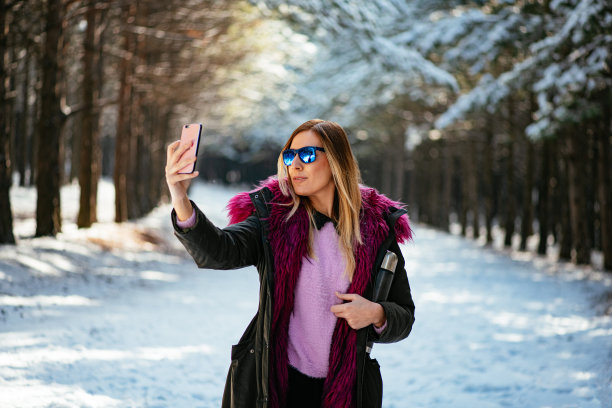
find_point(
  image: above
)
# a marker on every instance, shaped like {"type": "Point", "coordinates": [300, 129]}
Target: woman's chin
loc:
{"type": "Point", "coordinates": [301, 191]}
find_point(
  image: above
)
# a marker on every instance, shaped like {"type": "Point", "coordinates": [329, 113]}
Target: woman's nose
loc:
{"type": "Point", "coordinates": [297, 163]}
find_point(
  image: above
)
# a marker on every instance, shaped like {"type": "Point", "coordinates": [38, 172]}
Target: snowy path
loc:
{"type": "Point", "coordinates": [490, 331]}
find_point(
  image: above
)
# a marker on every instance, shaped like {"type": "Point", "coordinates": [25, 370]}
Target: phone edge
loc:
{"type": "Point", "coordinates": [197, 148]}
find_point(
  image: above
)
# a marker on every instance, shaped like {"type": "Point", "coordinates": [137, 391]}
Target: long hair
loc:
{"type": "Point", "coordinates": [346, 176]}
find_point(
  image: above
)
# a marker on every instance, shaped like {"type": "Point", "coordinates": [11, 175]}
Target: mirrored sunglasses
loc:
{"type": "Point", "coordinates": [307, 154]}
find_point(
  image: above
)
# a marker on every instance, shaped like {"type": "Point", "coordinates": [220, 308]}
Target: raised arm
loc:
{"type": "Point", "coordinates": [210, 247]}
{"type": "Point", "coordinates": [233, 247]}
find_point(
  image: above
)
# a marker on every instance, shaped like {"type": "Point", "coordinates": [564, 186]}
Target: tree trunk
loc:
{"type": "Point", "coordinates": [398, 162]}
{"type": "Point", "coordinates": [417, 191]}
{"type": "Point", "coordinates": [435, 199]}
{"type": "Point", "coordinates": [576, 179]}
{"type": "Point", "coordinates": [412, 191]}
{"type": "Point", "coordinates": [137, 149]}
{"type": "Point", "coordinates": [6, 216]}
{"type": "Point", "coordinates": [447, 180]}
{"type": "Point", "coordinates": [387, 172]}
{"type": "Point", "coordinates": [424, 193]}
{"type": "Point", "coordinates": [543, 197]}
{"type": "Point", "coordinates": [488, 179]}
{"type": "Point", "coordinates": [509, 223]}
{"type": "Point", "coordinates": [465, 186]}
{"type": "Point", "coordinates": [10, 104]}
{"type": "Point", "coordinates": [107, 146]}
{"type": "Point", "coordinates": [89, 162]}
{"type": "Point", "coordinates": [23, 126]}
{"type": "Point", "coordinates": [510, 196]}
{"type": "Point", "coordinates": [122, 141]}
{"type": "Point", "coordinates": [605, 197]}
{"type": "Point", "coordinates": [565, 226]}
{"type": "Point", "coordinates": [33, 129]}
{"type": "Point", "coordinates": [591, 184]}
{"type": "Point", "coordinates": [138, 155]}
{"type": "Point", "coordinates": [473, 182]}
{"type": "Point", "coordinates": [72, 140]}
{"type": "Point", "coordinates": [157, 129]}
{"type": "Point", "coordinates": [527, 217]}
{"type": "Point", "coordinates": [48, 217]}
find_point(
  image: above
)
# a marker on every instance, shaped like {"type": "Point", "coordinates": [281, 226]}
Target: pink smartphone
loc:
{"type": "Point", "coordinates": [190, 134]}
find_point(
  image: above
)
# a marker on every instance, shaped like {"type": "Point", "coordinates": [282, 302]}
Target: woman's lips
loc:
{"type": "Point", "coordinates": [298, 179]}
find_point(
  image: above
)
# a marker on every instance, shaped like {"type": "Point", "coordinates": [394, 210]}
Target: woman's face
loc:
{"type": "Point", "coordinates": [312, 179]}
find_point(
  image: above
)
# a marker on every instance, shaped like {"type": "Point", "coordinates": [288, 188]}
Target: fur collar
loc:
{"type": "Point", "coordinates": [240, 206]}
{"type": "Point", "coordinates": [289, 241]}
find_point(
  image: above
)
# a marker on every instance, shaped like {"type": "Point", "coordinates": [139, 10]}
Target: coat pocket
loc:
{"type": "Point", "coordinates": [372, 384]}
{"type": "Point", "coordinates": [241, 385]}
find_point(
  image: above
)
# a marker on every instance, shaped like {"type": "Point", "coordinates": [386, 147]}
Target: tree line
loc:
{"type": "Point", "coordinates": [527, 145]}
{"type": "Point", "coordinates": [92, 88]}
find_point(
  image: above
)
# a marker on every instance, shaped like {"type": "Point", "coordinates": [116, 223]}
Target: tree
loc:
{"type": "Point", "coordinates": [6, 216]}
{"type": "Point", "coordinates": [89, 171]}
{"type": "Point", "coordinates": [51, 121]}
{"type": "Point", "coordinates": [123, 135]}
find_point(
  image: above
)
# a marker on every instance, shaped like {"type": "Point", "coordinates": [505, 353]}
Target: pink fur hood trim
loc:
{"type": "Point", "coordinates": [240, 206]}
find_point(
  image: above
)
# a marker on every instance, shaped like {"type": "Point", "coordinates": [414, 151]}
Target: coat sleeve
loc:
{"type": "Point", "coordinates": [399, 307]}
{"type": "Point", "coordinates": [233, 247]}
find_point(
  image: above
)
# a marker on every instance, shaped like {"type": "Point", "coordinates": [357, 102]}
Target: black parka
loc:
{"type": "Point", "coordinates": [246, 243]}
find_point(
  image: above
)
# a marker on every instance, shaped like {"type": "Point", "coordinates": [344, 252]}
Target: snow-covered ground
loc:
{"type": "Point", "coordinates": [118, 316]}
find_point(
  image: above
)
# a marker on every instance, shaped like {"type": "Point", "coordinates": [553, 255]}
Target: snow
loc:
{"type": "Point", "coordinates": [119, 316]}
{"type": "Point", "coordinates": [563, 64]}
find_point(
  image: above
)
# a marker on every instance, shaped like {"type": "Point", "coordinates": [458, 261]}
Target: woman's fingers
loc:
{"type": "Point", "coordinates": [347, 296]}
{"type": "Point", "coordinates": [178, 177]}
{"type": "Point", "coordinates": [338, 309]}
{"type": "Point", "coordinates": [174, 170]}
{"type": "Point", "coordinates": [186, 176]}
{"type": "Point", "coordinates": [175, 150]}
{"type": "Point", "coordinates": [171, 148]}
{"type": "Point", "coordinates": [176, 167]}
{"type": "Point", "coordinates": [171, 164]}
{"type": "Point", "coordinates": [357, 311]}
{"type": "Point", "coordinates": [184, 147]}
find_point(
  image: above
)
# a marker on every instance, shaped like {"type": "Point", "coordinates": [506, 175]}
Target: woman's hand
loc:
{"type": "Point", "coordinates": [359, 312]}
{"type": "Point", "coordinates": [178, 183]}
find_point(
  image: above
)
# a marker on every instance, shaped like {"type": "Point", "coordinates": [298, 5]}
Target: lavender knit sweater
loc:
{"type": "Point", "coordinates": [312, 323]}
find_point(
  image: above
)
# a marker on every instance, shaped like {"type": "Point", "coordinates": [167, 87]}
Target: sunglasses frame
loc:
{"type": "Point", "coordinates": [301, 151]}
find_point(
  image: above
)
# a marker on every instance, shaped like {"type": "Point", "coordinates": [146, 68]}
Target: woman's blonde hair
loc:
{"type": "Point", "coordinates": [346, 176]}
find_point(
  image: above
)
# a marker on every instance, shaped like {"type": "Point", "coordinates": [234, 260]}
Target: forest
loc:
{"type": "Point", "coordinates": [490, 116]}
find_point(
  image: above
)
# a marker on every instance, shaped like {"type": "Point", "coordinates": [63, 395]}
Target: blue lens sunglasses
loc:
{"type": "Point", "coordinates": [307, 154]}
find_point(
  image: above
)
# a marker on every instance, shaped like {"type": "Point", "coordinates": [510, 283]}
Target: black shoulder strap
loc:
{"type": "Point", "coordinates": [391, 218]}
{"type": "Point", "coordinates": [260, 200]}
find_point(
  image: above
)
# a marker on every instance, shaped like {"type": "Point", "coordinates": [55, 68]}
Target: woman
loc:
{"type": "Point", "coordinates": [317, 239]}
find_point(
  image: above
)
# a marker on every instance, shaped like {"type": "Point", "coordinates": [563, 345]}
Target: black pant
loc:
{"type": "Point", "coordinates": [304, 391]}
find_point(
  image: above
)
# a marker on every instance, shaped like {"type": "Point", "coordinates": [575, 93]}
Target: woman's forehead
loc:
{"type": "Point", "coordinates": [306, 138]}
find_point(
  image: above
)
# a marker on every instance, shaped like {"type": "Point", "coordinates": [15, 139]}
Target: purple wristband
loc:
{"type": "Point", "coordinates": [381, 329]}
{"type": "Point", "coordinates": [188, 223]}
